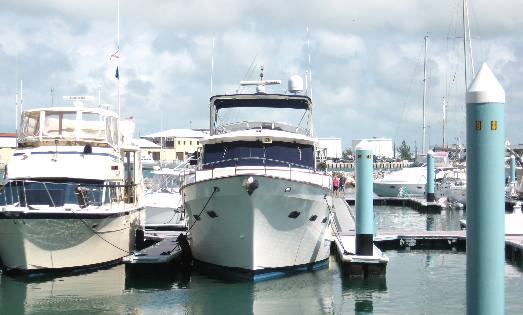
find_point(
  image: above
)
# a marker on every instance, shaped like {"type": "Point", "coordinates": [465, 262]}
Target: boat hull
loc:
{"type": "Point", "coordinates": [393, 189]}
{"type": "Point", "coordinates": [32, 241]}
{"type": "Point", "coordinates": [279, 225]}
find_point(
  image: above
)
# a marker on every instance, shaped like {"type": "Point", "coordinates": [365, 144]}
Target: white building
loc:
{"type": "Point", "coordinates": [331, 147]}
{"type": "Point", "coordinates": [381, 147]}
{"type": "Point", "coordinates": [176, 144]}
{"type": "Point", "coordinates": [7, 147]}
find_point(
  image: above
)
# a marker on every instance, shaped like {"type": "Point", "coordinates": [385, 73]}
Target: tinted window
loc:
{"type": "Point", "coordinates": [257, 153]}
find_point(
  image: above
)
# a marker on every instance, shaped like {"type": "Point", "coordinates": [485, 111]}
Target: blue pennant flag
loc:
{"type": "Point", "coordinates": [117, 75]}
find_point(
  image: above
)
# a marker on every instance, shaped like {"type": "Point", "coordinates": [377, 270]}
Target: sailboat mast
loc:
{"type": "Point", "coordinates": [117, 49]}
{"type": "Point", "coordinates": [424, 95]}
{"type": "Point", "coordinates": [465, 40]}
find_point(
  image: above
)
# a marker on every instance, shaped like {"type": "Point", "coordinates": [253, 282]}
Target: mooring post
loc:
{"type": "Point", "coordinates": [512, 170]}
{"type": "Point", "coordinates": [429, 188]}
{"type": "Point", "coordinates": [364, 199]}
{"type": "Point", "coordinates": [485, 195]}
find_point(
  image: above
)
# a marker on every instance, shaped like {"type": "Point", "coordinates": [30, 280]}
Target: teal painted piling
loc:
{"type": "Point", "coordinates": [512, 169]}
{"type": "Point", "coordinates": [429, 187]}
{"type": "Point", "coordinates": [485, 195]}
{"type": "Point", "coordinates": [364, 199]}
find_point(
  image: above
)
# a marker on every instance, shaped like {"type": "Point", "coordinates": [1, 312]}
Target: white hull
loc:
{"type": "Point", "coordinates": [254, 231]}
{"type": "Point", "coordinates": [163, 209]}
{"type": "Point", "coordinates": [393, 189]}
{"type": "Point", "coordinates": [66, 240]}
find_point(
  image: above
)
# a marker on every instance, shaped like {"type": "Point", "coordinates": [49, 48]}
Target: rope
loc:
{"type": "Point", "coordinates": [215, 189]}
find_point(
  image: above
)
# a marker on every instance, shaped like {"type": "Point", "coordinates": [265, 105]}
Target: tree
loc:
{"type": "Point", "coordinates": [347, 154]}
{"type": "Point", "coordinates": [404, 151]}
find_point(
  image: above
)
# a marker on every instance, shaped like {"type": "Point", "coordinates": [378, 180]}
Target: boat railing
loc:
{"type": "Point", "coordinates": [245, 125]}
{"type": "Point", "coordinates": [291, 171]}
{"type": "Point", "coordinates": [69, 196]}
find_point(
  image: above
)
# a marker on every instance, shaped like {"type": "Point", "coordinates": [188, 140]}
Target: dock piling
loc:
{"type": "Point", "coordinates": [429, 188]}
{"type": "Point", "coordinates": [364, 199]}
{"type": "Point", "coordinates": [485, 194]}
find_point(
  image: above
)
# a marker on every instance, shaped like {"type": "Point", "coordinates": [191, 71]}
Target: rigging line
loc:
{"type": "Point", "coordinates": [407, 96]}
{"type": "Point", "coordinates": [215, 189]}
{"type": "Point", "coordinates": [248, 73]}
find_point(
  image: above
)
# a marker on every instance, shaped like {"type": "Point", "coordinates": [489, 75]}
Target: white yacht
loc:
{"type": "Point", "coordinates": [451, 188]}
{"type": "Point", "coordinates": [410, 180]}
{"type": "Point", "coordinates": [74, 195]}
{"type": "Point", "coordinates": [163, 202]}
{"type": "Point", "coordinates": [148, 162]}
{"type": "Point", "coordinates": [256, 203]}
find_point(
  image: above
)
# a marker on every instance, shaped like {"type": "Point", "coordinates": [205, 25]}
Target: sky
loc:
{"type": "Point", "coordinates": [366, 59]}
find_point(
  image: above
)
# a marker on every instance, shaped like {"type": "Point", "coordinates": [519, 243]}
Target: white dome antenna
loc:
{"type": "Point", "coordinates": [295, 84]}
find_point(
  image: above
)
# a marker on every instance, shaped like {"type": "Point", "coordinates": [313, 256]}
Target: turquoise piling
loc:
{"type": "Point", "coordinates": [512, 169]}
{"type": "Point", "coordinates": [364, 199]}
{"type": "Point", "coordinates": [429, 187]}
{"type": "Point", "coordinates": [485, 195]}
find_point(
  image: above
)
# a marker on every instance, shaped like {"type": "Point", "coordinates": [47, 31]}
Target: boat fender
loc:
{"type": "Point", "coordinates": [250, 184]}
{"type": "Point", "coordinates": [88, 149]}
{"type": "Point", "coordinates": [186, 248]}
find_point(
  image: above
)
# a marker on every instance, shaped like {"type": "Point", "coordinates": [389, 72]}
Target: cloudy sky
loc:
{"type": "Point", "coordinates": [366, 59]}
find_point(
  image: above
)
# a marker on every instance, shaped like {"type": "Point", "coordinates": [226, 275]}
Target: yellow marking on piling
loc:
{"type": "Point", "coordinates": [493, 125]}
{"type": "Point", "coordinates": [478, 124]}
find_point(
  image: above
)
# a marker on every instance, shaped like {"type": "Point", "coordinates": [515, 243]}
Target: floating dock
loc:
{"type": "Point", "coordinates": [156, 260]}
{"type": "Point", "coordinates": [352, 265]}
{"type": "Point", "coordinates": [418, 203]}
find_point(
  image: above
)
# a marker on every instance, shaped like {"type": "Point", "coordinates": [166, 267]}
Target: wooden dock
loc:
{"type": "Point", "coordinates": [352, 265]}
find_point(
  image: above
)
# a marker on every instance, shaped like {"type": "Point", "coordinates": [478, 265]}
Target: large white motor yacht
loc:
{"type": "Point", "coordinates": [256, 203]}
{"type": "Point", "coordinates": [74, 192]}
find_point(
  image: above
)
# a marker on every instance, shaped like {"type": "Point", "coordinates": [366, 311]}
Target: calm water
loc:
{"type": "Point", "coordinates": [417, 282]}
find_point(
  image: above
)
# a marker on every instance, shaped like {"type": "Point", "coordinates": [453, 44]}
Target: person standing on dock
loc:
{"type": "Point", "coordinates": [342, 185]}
{"type": "Point", "coordinates": [335, 184]}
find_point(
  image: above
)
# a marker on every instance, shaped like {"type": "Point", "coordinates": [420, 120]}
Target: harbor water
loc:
{"type": "Point", "coordinates": [417, 282]}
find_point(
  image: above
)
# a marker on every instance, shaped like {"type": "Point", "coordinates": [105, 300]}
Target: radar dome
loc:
{"type": "Point", "coordinates": [295, 84]}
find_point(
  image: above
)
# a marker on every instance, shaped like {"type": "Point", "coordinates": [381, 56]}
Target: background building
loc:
{"type": "Point", "coordinates": [381, 147]}
{"type": "Point", "coordinates": [330, 147]}
{"type": "Point", "coordinates": [176, 144]}
{"type": "Point", "coordinates": [7, 147]}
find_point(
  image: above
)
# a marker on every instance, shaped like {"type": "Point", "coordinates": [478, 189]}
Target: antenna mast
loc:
{"type": "Point", "coordinates": [309, 59]}
{"type": "Point", "coordinates": [212, 63]}
{"type": "Point", "coordinates": [424, 94]}
{"type": "Point", "coordinates": [16, 97]}
{"type": "Point", "coordinates": [118, 49]}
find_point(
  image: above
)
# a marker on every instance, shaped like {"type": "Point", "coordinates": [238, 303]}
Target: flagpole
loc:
{"type": "Point", "coordinates": [118, 48]}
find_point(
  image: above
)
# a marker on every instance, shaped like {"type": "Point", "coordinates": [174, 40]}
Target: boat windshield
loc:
{"type": "Point", "coordinates": [256, 153]}
{"type": "Point", "coordinates": [68, 125]}
{"type": "Point", "coordinates": [51, 194]}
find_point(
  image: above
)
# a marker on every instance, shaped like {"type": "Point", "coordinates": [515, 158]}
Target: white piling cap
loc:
{"type": "Point", "coordinates": [485, 88]}
{"type": "Point", "coordinates": [364, 145]}
{"type": "Point", "coordinates": [512, 157]}
{"type": "Point", "coordinates": [430, 152]}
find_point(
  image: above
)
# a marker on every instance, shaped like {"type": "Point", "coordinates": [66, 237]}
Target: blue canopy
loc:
{"type": "Point", "coordinates": [261, 100]}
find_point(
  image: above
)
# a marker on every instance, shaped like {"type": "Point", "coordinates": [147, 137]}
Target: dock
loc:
{"type": "Point", "coordinates": [156, 260]}
{"type": "Point", "coordinates": [443, 240]}
{"type": "Point", "coordinates": [417, 203]}
{"type": "Point", "coordinates": [352, 265]}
